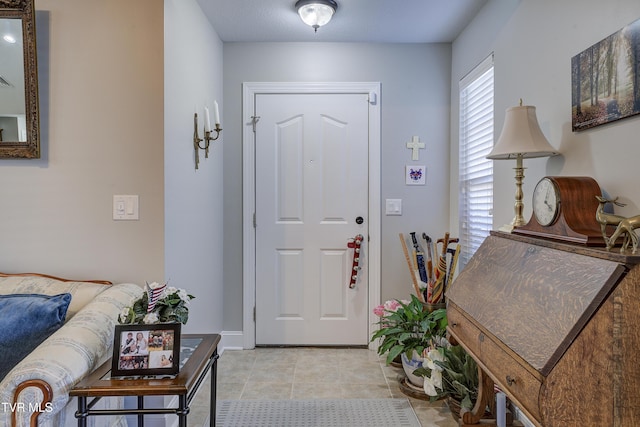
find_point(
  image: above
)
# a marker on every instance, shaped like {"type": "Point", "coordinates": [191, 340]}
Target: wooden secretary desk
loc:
{"type": "Point", "coordinates": [556, 326]}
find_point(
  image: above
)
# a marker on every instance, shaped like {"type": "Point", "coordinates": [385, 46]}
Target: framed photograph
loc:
{"type": "Point", "coordinates": [605, 80]}
{"type": "Point", "coordinates": [415, 175]}
{"type": "Point", "coordinates": [146, 350]}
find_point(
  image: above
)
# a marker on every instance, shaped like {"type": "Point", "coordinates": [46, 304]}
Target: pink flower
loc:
{"type": "Point", "coordinates": [379, 311]}
{"type": "Point", "coordinates": [390, 306]}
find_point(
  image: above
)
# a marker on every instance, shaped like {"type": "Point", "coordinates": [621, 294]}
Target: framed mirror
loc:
{"type": "Point", "coordinates": [19, 110]}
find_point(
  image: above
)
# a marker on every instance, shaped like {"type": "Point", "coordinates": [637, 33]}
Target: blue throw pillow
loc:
{"type": "Point", "coordinates": [25, 321]}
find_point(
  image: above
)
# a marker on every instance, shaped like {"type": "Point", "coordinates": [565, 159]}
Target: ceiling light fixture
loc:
{"type": "Point", "coordinates": [316, 13]}
{"type": "Point", "coordinates": [9, 38]}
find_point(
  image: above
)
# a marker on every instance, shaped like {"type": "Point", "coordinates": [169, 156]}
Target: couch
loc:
{"type": "Point", "coordinates": [35, 392]}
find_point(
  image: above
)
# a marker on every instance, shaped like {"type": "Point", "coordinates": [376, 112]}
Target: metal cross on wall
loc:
{"type": "Point", "coordinates": [415, 145]}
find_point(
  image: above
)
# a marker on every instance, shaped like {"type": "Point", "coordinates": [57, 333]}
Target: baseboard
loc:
{"type": "Point", "coordinates": [231, 340]}
{"type": "Point", "coordinates": [519, 415]}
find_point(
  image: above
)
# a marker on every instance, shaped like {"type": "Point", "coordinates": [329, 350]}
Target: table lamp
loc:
{"type": "Point", "coordinates": [521, 138]}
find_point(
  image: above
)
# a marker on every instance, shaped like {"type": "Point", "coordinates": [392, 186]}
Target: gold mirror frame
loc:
{"type": "Point", "coordinates": [29, 149]}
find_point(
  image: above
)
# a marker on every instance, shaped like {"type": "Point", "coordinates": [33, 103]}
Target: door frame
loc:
{"type": "Point", "coordinates": [249, 92]}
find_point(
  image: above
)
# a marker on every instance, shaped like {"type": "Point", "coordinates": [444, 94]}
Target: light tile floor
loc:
{"type": "Point", "coordinates": [311, 373]}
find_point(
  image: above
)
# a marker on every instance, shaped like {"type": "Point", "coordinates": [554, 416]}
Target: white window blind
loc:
{"type": "Point", "coordinates": [476, 171]}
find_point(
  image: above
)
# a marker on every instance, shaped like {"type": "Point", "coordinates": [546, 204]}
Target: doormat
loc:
{"type": "Point", "coordinates": [316, 413]}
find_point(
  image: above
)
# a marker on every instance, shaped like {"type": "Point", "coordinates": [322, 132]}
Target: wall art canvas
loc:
{"type": "Point", "coordinates": [605, 79]}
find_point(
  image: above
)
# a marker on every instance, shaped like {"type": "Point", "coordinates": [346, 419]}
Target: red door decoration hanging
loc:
{"type": "Point", "coordinates": [355, 244]}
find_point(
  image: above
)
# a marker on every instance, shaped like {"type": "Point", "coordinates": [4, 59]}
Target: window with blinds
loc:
{"type": "Point", "coordinates": [475, 170]}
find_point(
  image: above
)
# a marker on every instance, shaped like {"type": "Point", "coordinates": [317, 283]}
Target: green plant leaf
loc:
{"type": "Point", "coordinates": [394, 352]}
{"type": "Point", "coordinates": [466, 402]}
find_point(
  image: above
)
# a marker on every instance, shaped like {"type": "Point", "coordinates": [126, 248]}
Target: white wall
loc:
{"type": "Point", "coordinates": [533, 42]}
{"type": "Point", "coordinates": [193, 198]}
{"type": "Point", "coordinates": [100, 75]}
{"type": "Point", "coordinates": [110, 76]}
{"type": "Point", "coordinates": [102, 98]}
{"type": "Point", "coordinates": [415, 82]}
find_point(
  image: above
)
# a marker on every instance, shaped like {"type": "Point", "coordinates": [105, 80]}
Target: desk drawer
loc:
{"type": "Point", "coordinates": [516, 380]}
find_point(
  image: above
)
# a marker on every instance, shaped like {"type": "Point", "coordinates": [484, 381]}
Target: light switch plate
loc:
{"type": "Point", "coordinates": [126, 208]}
{"type": "Point", "coordinates": [393, 206]}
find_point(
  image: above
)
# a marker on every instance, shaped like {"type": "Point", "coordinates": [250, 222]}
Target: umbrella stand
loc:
{"type": "Point", "coordinates": [414, 280]}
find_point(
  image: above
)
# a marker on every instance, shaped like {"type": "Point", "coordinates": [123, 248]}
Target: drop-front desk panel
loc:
{"type": "Point", "coordinates": [556, 326]}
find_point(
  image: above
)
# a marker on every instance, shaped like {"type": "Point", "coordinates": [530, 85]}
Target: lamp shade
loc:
{"type": "Point", "coordinates": [521, 135]}
{"type": "Point", "coordinates": [316, 13]}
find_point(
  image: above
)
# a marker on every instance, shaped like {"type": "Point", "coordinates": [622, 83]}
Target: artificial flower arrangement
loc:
{"type": "Point", "coordinates": [158, 304]}
{"type": "Point", "coordinates": [449, 371]}
{"type": "Point", "coordinates": [406, 326]}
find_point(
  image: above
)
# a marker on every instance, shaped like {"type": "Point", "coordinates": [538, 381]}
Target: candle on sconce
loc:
{"type": "Point", "coordinates": [216, 112]}
{"type": "Point", "coordinates": [207, 120]}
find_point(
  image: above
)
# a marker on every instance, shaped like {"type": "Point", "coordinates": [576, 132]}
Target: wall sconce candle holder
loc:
{"type": "Point", "coordinates": [207, 139]}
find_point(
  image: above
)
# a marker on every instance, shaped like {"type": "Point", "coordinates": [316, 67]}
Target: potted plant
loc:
{"type": "Point", "coordinates": [449, 371]}
{"type": "Point", "coordinates": [158, 304]}
{"type": "Point", "coordinates": [406, 329]}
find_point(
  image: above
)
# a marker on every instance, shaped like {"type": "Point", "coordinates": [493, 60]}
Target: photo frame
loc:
{"type": "Point", "coordinates": [146, 350]}
{"type": "Point", "coordinates": [605, 80]}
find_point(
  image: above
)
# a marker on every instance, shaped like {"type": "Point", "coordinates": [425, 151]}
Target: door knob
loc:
{"type": "Point", "coordinates": [359, 220]}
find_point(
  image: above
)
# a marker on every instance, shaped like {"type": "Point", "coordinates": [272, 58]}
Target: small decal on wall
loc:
{"type": "Point", "coordinates": [415, 175]}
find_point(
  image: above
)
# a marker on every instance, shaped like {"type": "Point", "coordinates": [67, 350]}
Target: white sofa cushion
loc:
{"type": "Point", "coordinates": [81, 292]}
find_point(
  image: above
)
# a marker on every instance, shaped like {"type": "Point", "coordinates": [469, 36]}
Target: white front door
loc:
{"type": "Point", "coordinates": [311, 172]}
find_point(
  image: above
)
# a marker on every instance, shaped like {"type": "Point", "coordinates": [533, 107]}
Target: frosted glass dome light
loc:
{"type": "Point", "coordinates": [316, 13]}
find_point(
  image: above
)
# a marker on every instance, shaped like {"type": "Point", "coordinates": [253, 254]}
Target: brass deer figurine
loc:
{"type": "Point", "coordinates": [627, 225]}
{"type": "Point", "coordinates": [624, 225]}
{"type": "Point", "coordinates": [605, 218]}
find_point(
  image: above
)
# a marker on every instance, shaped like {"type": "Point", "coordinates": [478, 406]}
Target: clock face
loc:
{"type": "Point", "coordinates": [546, 202]}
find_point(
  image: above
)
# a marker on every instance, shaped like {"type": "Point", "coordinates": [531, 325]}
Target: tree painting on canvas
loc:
{"type": "Point", "coordinates": [605, 79]}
